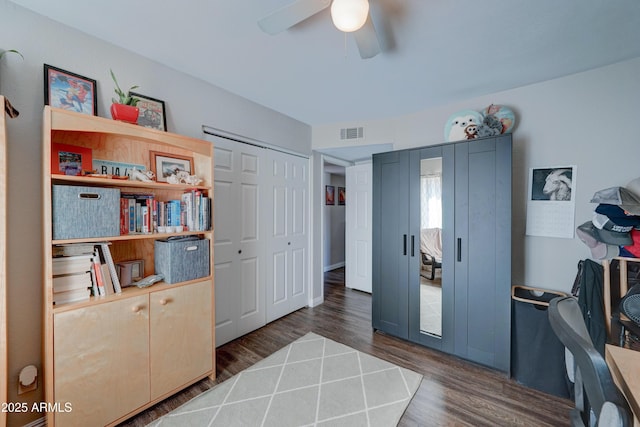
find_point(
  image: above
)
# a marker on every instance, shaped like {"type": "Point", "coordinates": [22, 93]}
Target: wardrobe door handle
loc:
{"type": "Point", "coordinates": [413, 245]}
{"type": "Point", "coordinates": [404, 244]}
{"type": "Point", "coordinates": [459, 249]}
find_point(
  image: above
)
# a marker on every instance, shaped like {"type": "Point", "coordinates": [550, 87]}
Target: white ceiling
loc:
{"type": "Point", "coordinates": [439, 51]}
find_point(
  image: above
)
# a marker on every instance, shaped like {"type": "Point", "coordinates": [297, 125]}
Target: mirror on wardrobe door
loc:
{"type": "Point", "coordinates": [431, 246]}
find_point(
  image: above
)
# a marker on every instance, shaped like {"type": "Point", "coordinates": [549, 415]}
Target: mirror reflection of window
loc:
{"type": "Point", "coordinates": [431, 246]}
{"type": "Point", "coordinates": [431, 201]}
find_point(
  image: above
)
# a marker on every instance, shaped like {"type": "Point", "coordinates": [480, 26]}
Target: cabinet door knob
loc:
{"type": "Point", "coordinates": [136, 308]}
{"type": "Point", "coordinates": [164, 301]}
{"type": "Point", "coordinates": [239, 251]}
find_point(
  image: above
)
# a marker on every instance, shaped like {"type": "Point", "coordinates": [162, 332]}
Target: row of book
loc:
{"type": "Point", "coordinates": [81, 270]}
{"type": "Point", "coordinates": [142, 213]}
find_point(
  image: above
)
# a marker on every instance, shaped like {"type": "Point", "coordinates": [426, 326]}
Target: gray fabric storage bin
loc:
{"type": "Point", "coordinates": [80, 212]}
{"type": "Point", "coordinates": [182, 259]}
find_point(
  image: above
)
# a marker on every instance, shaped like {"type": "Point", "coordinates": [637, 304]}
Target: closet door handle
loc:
{"type": "Point", "coordinates": [413, 245]}
{"type": "Point", "coordinates": [459, 249]}
{"type": "Point", "coordinates": [404, 244]}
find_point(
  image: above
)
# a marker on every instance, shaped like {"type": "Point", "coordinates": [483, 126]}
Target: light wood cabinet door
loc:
{"type": "Point", "coordinates": [101, 361]}
{"type": "Point", "coordinates": [181, 336]}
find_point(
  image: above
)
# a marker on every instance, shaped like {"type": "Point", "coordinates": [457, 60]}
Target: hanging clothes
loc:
{"type": "Point", "coordinates": [591, 302]}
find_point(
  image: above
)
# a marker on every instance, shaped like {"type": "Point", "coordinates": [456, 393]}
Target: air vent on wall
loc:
{"type": "Point", "coordinates": [351, 133]}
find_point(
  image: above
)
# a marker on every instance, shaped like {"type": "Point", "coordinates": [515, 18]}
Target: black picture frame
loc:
{"type": "Point", "coordinates": [342, 196]}
{"type": "Point", "coordinates": [329, 195]}
{"type": "Point", "coordinates": [153, 113]}
{"type": "Point", "coordinates": [70, 91]}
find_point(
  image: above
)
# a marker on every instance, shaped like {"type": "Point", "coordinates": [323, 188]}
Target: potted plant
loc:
{"type": "Point", "coordinates": [10, 51]}
{"type": "Point", "coordinates": [124, 106]}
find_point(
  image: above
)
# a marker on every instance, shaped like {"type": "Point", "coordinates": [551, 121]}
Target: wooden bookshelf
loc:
{"type": "Point", "coordinates": [113, 356]}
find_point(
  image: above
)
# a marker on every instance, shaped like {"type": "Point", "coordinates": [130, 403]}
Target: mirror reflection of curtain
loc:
{"type": "Point", "coordinates": [431, 201]}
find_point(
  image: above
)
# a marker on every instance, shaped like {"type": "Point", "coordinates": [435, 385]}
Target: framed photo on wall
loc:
{"type": "Point", "coordinates": [166, 164]}
{"type": "Point", "coordinates": [152, 112]}
{"type": "Point", "coordinates": [342, 195]}
{"type": "Point", "coordinates": [70, 91]}
{"type": "Point", "coordinates": [329, 195]}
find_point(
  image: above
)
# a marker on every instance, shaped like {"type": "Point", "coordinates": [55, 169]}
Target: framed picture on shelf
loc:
{"type": "Point", "coordinates": [342, 195]}
{"type": "Point", "coordinates": [152, 112]}
{"type": "Point", "coordinates": [166, 164]}
{"type": "Point", "coordinates": [70, 159]}
{"type": "Point", "coordinates": [130, 272]}
{"type": "Point", "coordinates": [70, 91]}
{"type": "Point", "coordinates": [329, 195]}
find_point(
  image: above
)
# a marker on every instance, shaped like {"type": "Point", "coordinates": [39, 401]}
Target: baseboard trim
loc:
{"type": "Point", "coordinates": [334, 266]}
{"type": "Point", "coordinates": [317, 301]}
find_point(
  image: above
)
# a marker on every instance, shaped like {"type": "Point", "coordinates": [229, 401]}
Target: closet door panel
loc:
{"type": "Point", "coordinates": [299, 232]}
{"type": "Point", "coordinates": [288, 235]}
{"type": "Point", "coordinates": [483, 251]}
{"type": "Point", "coordinates": [391, 243]}
{"type": "Point", "coordinates": [504, 170]}
{"type": "Point", "coordinates": [238, 239]}
{"type": "Point", "coordinates": [460, 243]}
{"type": "Point", "coordinates": [481, 290]}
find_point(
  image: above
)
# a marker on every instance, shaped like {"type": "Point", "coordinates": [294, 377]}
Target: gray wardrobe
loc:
{"type": "Point", "coordinates": [475, 299]}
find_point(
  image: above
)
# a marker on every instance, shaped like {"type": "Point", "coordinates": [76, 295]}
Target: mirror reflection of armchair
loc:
{"type": "Point", "coordinates": [431, 249]}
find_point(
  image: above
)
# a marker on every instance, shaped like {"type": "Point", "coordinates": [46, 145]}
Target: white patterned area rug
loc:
{"type": "Point", "coordinates": [313, 381]}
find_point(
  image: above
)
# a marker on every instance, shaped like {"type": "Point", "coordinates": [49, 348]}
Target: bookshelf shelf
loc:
{"type": "Point", "coordinates": [128, 237]}
{"type": "Point", "coordinates": [121, 183]}
{"type": "Point", "coordinates": [167, 329]}
{"type": "Point", "coordinates": [128, 292]}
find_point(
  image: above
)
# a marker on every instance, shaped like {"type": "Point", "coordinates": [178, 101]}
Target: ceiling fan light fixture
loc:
{"type": "Point", "coordinates": [349, 15]}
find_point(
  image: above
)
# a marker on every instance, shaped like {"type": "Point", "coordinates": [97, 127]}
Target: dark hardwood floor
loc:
{"type": "Point", "coordinates": [453, 392]}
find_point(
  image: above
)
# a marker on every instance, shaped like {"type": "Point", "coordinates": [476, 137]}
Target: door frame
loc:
{"type": "Point", "coordinates": [320, 160]}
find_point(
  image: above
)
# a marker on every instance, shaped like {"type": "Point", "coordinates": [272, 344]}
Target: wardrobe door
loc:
{"type": "Point", "coordinates": [391, 241]}
{"type": "Point", "coordinates": [483, 251]}
{"type": "Point", "coordinates": [431, 208]}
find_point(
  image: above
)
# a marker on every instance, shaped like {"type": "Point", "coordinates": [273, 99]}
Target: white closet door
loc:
{"type": "Point", "coordinates": [239, 240]}
{"type": "Point", "coordinates": [288, 234]}
{"type": "Point", "coordinates": [358, 227]}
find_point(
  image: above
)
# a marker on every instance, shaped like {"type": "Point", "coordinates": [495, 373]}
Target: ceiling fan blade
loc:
{"type": "Point", "coordinates": [289, 15]}
{"type": "Point", "coordinates": [367, 40]}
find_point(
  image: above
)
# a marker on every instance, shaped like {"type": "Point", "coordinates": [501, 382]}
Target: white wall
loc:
{"type": "Point", "coordinates": [586, 119]}
{"type": "Point", "coordinates": [190, 104]}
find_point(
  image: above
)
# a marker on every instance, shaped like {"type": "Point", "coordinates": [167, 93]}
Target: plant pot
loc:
{"type": "Point", "coordinates": [124, 113]}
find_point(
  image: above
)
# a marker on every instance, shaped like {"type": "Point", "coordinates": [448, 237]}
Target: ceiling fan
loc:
{"type": "Point", "coordinates": [348, 16]}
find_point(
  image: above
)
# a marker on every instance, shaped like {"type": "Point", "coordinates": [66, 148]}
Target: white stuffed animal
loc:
{"type": "Point", "coordinates": [144, 176]}
{"type": "Point", "coordinates": [462, 125]}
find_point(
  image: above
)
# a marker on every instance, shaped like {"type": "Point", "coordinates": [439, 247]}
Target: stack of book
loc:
{"type": "Point", "coordinates": [71, 278]}
{"type": "Point", "coordinates": [81, 270]}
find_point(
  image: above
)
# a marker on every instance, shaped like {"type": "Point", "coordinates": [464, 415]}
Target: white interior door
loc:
{"type": "Point", "coordinates": [288, 234]}
{"type": "Point", "coordinates": [238, 238]}
{"type": "Point", "coordinates": [358, 232]}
